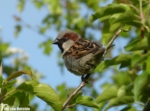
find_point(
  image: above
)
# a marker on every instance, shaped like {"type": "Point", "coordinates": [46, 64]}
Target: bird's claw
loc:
{"type": "Point", "coordinates": [85, 77]}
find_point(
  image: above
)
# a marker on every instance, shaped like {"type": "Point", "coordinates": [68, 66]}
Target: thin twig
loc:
{"type": "Point", "coordinates": [132, 6]}
{"type": "Point", "coordinates": [68, 106]}
{"type": "Point", "coordinates": [74, 92]}
{"type": "Point", "coordinates": [141, 12]}
{"type": "Point", "coordinates": [83, 83]}
{"type": "Point", "coordinates": [113, 38]}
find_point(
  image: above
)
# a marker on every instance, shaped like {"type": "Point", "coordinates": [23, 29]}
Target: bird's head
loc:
{"type": "Point", "coordinates": [65, 39]}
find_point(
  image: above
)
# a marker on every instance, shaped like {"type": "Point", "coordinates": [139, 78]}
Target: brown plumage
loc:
{"type": "Point", "coordinates": [80, 56]}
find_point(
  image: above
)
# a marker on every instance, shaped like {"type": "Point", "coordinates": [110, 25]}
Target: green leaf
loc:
{"type": "Point", "coordinates": [38, 4]}
{"type": "Point", "coordinates": [128, 109]}
{"type": "Point", "coordinates": [20, 5]}
{"type": "Point", "coordinates": [138, 58]}
{"type": "Point", "coordinates": [140, 84]}
{"type": "Point", "coordinates": [47, 46]}
{"type": "Point", "coordinates": [109, 30]}
{"type": "Point", "coordinates": [1, 80]}
{"type": "Point", "coordinates": [121, 78]}
{"type": "Point", "coordinates": [121, 91]}
{"type": "Point", "coordinates": [23, 98]}
{"type": "Point", "coordinates": [54, 7]}
{"type": "Point", "coordinates": [134, 59]}
{"type": "Point", "coordinates": [73, 100]}
{"type": "Point", "coordinates": [148, 35]}
{"type": "Point", "coordinates": [126, 28]}
{"type": "Point", "coordinates": [43, 30]}
{"type": "Point", "coordinates": [106, 12]}
{"type": "Point", "coordinates": [138, 44]}
{"type": "Point", "coordinates": [119, 101]}
{"type": "Point", "coordinates": [148, 65]}
{"type": "Point", "coordinates": [129, 17]}
{"type": "Point", "coordinates": [121, 59]}
{"type": "Point", "coordinates": [19, 73]}
{"type": "Point", "coordinates": [18, 28]}
{"type": "Point", "coordinates": [3, 47]}
{"type": "Point", "coordinates": [106, 95]}
{"type": "Point", "coordinates": [1, 69]}
{"type": "Point", "coordinates": [10, 100]}
{"type": "Point", "coordinates": [10, 84]}
{"type": "Point", "coordinates": [87, 101]}
{"type": "Point", "coordinates": [44, 92]}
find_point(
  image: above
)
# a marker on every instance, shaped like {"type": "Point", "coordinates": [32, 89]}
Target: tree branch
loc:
{"type": "Point", "coordinates": [83, 83]}
{"type": "Point", "coordinates": [111, 41]}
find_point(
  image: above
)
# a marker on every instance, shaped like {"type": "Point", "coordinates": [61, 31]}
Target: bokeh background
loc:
{"type": "Point", "coordinates": [29, 26]}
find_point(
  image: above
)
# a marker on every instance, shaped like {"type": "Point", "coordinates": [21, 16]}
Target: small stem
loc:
{"type": "Point", "coordinates": [136, 9]}
{"type": "Point", "coordinates": [72, 94]}
{"type": "Point", "coordinates": [83, 83]}
{"type": "Point", "coordinates": [68, 106]}
{"type": "Point", "coordinates": [113, 38]}
{"type": "Point", "coordinates": [141, 12]}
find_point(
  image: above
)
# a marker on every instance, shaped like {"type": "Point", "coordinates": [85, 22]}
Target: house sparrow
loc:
{"type": "Point", "coordinates": [80, 56]}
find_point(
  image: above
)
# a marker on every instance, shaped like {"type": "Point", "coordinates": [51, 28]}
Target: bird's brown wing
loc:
{"type": "Point", "coordinates": [83, 47]}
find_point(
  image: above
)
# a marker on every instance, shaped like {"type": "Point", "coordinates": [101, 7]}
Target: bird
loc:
{"type": "Point", "coordinates": [80, 56]}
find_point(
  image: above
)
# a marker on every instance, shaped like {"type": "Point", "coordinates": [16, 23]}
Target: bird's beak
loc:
{"type": "Point", "coordinates": [55, 41]}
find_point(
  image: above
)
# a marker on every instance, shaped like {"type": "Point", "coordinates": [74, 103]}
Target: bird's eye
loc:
{"type": "Point", "coordinates": [65, 39]}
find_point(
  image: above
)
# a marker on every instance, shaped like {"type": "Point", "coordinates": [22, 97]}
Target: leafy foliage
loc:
{"type": "Point", "coordinates": [130, 70]}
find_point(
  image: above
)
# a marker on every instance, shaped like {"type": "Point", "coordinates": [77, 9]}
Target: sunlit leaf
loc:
{"type": "Point", "coordinates": [43, 30]}
{"type": "Point", "coordinates": [47, 46]}
{"type": "Point", "coordinates": [139, 58]}
{"type": "Point", "coordinates": [129, 17]}
{"type": "Point", "coordinates": [54, 6]}
{"type": "Point", "coordinates": [38, 4]}
{"type": "Point", "coordinates": [10, 84]}
{"type": "Point", "coordinates": [19, 73]}
{"type": "Point", "coordinates": [138, 44]}
{"type": "Point", "coordinates": [128, 108]}
{"type": "Point", "coordinates": [121, 78]}
{"type": "Point", "coordinates": [18, 28]}
{"type": "Point", "coordinates": [134, 59]}
{"type": "Point", "coordinates": [106, 95]}
{"type": "Point", "coordinates": [109, 10]}
{"type": "Point", "coordinates": [20, 5]}
{"type": "Point", "coordinates": [140, 84]}
{"type": "Point", "coordinates": [4, 46]}
{"type": "Point", "coordinates": [121, 59]}
{"type": "Point", "coordinates": [121, 91]}
{"type": "Point", "coordinates": [44, 92]}
{"type": "Point", "coordinates": [119, 101]}
{"type": "Point", "coordinates": [109, 31]}
{"type": "Point", "coordinates": [148, 64]}
{"type": "Point", "coordinates": [87, 101]}
{"type": "Point", "coordinates": [126, 28]}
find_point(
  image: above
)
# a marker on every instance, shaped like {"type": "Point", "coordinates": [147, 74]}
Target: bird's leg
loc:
{"type": "Point", "coordinates": [85, 77]}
